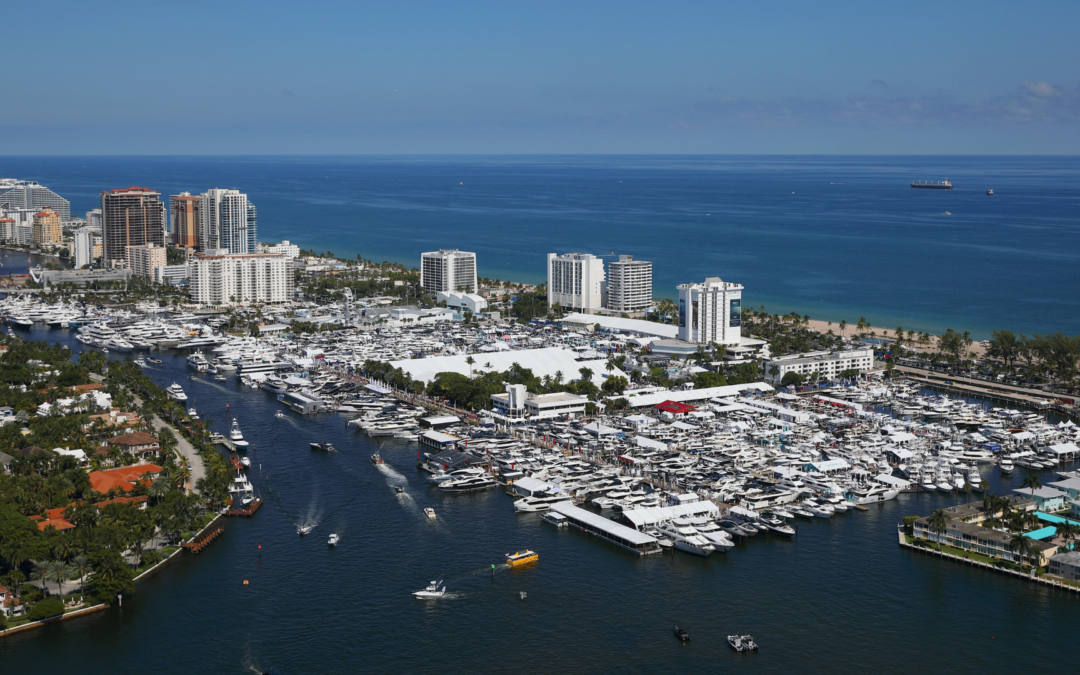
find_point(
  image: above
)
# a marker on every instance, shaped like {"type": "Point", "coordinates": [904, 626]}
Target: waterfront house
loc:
{"type": "Point", "coordinates": [123, 478]}
{"type": "Point", "coordinates": [971, 537]}
{"type": "Point", "coordinates": [1065, 565]}
{"type": "Point", "coordinates": [139, 444]}
{"type": "Point", "coordinates": [1047, 498]}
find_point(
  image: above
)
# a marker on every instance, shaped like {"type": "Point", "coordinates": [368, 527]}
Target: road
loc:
{"type": "Point", "coordinates": [198, 470]}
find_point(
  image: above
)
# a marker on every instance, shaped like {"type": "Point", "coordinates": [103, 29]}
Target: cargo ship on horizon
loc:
{"type": "Point", "coordinates": [944, 185]}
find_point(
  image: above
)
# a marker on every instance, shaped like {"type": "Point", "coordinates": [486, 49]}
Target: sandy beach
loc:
{"type": "Point", "coordinates": [878, 331]}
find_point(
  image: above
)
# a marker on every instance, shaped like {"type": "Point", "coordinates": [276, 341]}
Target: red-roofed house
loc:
{"type": "Point", "coordinates": [123, 478]}
{"type": "Point", "coordinates": [139, 443]}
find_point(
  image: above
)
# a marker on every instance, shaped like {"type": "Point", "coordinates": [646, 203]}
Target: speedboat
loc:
{"type": "Point", "coordinates": [220, 378]}
{"type": "Point", "coordinates": [1006, 465]}
{"type": "Point", "coordinates": [176, 392]}
{"type": "Point", "coordinates": [429, 512]}
{"type": "Point", "coordinates": [399, 489]}
{"type": "Point", "coordinates": [682, 634]}
{"type": "Point", "coordinates": [377, 459]}
{"type": "Point", "coordinates": [434, 591]}
{"type": "Point", "coordinates": [153, 361]}
{"type": "Point", "coordinates": [742, 643]}
{"type": "Point", "coordinates": [325, 447]}
{"type": "Point", "coordinates": [521, 558]}
{"type": "Point", "coordinates": [280, 415]}
{"type": "Point", "coordinates": [140, 363]}
{"type": "Point", "coordinates": [245, 462]}
{"type": "Point", "coordinates": [333, 540]}
{"type": "Point", "coordinates": [193, 413]}
{"type": "Point", "coordinates": [304, 529]}
{"type": "Point", "coordinates": [236, 437]}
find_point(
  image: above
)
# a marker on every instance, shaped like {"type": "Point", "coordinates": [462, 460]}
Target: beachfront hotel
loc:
{"type": "Point", "coordinates": [28, 194]}
{"type": "Point", "coordinates": [629, 285]}
{"type": "Point", "coordinates": [828, 364]}
{"type": "Point", "coordinates": [576, 281]}
{"type": "Point", "coordinates": [711, 312]}
{"type": "Point", "coordinates": [220, 278]}
{"type": "Point", "coordinates": [448, 270]}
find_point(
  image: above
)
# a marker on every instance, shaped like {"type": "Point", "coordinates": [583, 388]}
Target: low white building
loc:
{"type": "Point", "coordinates": [286, 249]}
{"type": "Point", "coordinates": [829, 364]}
{"type": "Point", "coordinates": [172, 274]}
{"type": "Point", "coordinates": [220, 278]}
{"type": "Point", "coordinates": [516, 404]}
{"type": "Point", "coordinates": [462, 301]}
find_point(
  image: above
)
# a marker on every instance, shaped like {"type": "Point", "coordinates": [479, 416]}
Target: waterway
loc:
{"type": "Point", "coordinates": [839, 597]}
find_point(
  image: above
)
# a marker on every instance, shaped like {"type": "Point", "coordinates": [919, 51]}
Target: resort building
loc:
{"type": "Point", "coordinates": [142, 260]}
{"type": "Point", "coordinates": [131, 216]}
{"type": "Point", "coordinates": [829, 364]}
{"type": "Point", "coordinates": [576, 281]}
{"type": "Point", "coordinates": [185, 219]}
{"type": "Point", "coordinates": [448, 271]}
{"type": "Point", "coordinates": [28, 194]}
{"type": "Point", "coordinates": [629, 285]}
{"type": "Point", "coordinates": [46, 227]}
{"type": "Point", "coordinates": [290, 251]}
{"type": "Point", "coordinates": [220, 278]}
{"type": "Point", "coordinates": [229, 221]}
{"type": "Point", "coordinates": [710, 312]}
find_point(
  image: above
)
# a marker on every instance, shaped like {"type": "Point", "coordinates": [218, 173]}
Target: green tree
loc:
{"type": "Point", "coordinates": [938, 521]}
{"type": "Point", "coordinates": [1031, 481]}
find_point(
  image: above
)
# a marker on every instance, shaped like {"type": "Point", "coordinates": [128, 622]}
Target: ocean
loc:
{"type": "Point", "coordinates": [841, 596]}
{"type": "Point", "coordinates": [832, 237]}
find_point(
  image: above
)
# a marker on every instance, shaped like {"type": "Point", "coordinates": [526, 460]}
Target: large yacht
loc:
{"type": "Point", "coordinates": [540, 502]}
{"type": "Point", "coordinates": [685, 537]}
{"type": "Point", "coordinates": [236, 437]}
{"type": "Point", "coordinates": [468, 484]}
{"type": "Point", "coordinates": [176, 392]}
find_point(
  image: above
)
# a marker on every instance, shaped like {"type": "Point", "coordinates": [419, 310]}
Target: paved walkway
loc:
{"type": "Point", "coordinates": [198, 470]}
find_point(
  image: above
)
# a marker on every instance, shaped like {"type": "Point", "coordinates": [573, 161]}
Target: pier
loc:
{"type": "Point", "coordinates": [197, 545]}
{"type": "Point", "coordinates": [248, 510]}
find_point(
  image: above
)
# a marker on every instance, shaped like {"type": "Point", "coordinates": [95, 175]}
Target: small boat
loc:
{"type": "Point", "coordinates": [192, 377]}
{"type": "Point", "coordinates": [1006, 466]}
{"type": "Point", "coordinates": [245, 462]}
{"type": "Point", "coordinates": [304, 529]}
{"type": "Point", "coordinates": [193, 413]}
{"type": "Point", "coordinates": [325, 447]}
{"type": "Point", "coordinates": [429, 512]}
{"type": "Point", "coordinates": [742, 643]}
{"type": "Point", "coordinates": [236, 437]}
{"type": "Point", "coordinates": [434, 591]}
{"type": "Point", "coordinates": [333, 540]}
{"type": "Point", "coordinates": [521, 558]}
{"type": "Point", "coordinates": [280, 415]}
{"type": "Point", "coordinates": [682, 634]}
{"type": "Point", "coordinates": [140, 363]}
{"type": "Point", "coordinates": [990, 192]}
{"type": "Point", "coordinates": [399, 489]}
{"type": "Point", "coordinates": [220, 378]}
{"type": "Point", "coordinates": [377, 459]}
{"type": "Point", "coordinates": [105, 350]}
{"type": "Point", "coordinates": [246, 501]}
{"type": "Point", "coordinates": [154, 361]}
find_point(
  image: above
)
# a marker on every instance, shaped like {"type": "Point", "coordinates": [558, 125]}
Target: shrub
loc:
{"type": "Point", "coordinates": [45, 609]}
{"type": "Point", "coordinates": [151, 558]}
{"type": "Point", "coordinates": [909, 525]}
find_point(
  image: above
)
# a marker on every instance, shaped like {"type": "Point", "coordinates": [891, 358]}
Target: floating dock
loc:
{"type": "Point", "coordinates": [608, 530]}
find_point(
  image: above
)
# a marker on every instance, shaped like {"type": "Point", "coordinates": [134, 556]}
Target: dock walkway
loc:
{"type": "Point", "coordinates": [196, 545]}
{"type": "Point", "coordinates": [248, 510]}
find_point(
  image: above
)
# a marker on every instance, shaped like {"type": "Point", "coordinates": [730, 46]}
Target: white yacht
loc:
{"type": "Point", "coordinates": [176, 392]}
{"type": "Point", "coordinates": [873, 495]}
{"type": "Point", "coordinates": [434, 591]}
{"type": "Point", "coordinates": [236, 437]}
{"type": "Point", "coordinates": [540, 502]}
{"type": "Point", "coordinates": [333, 540]}
{"type": "Point", "coordinates": [454, 475]}
{"type": "Point", "coordinates": [686, 538]}
{"type": "Point", "coordinates": [1006, 466]}
{"type": "Point", "coordinates": [720, 540]}
{"type": "Point", "coordinates": [468, 484]}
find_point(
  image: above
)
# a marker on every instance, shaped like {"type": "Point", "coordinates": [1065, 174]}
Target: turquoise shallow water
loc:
{"type": "Point", "coordinates": [833, 237]}
{"type": "Point", "coordinates": [840, 597]}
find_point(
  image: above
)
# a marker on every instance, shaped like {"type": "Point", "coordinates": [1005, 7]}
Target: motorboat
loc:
{"type": "Point", "coordinates": [377, 459]}
{"type": "Point", "coordinates": [176, 392]}
{"type": "Point", "coordinates": [323, 447]}
{"type": "Point", "coordinates": [521, 558]}
{"type": "Point", "coordinates": [245, 462]}
{"type": "Point", "coordinates": [279, 415]}
{"type": "Point", "coordinates": [333, 540]}
{"type": "Point", "coordinates": [236, 437]}
{"type": "Point", "coordinates": [399, 489]}
{"type": "Point", "coordinates": [193, 413]}
{"type": "Point", "coordinates": [156, 362]}
{"type": "Point", "coordinates": [1006, 466]}
{"type": "Point", "coordinates": [717, 537]}
{"type": "Point", "coordinates": [220, 378]}
{"type": "Point", "coordinates": [304, 529]}
{"type": "Point", "coordinates": [742, 643]}
{"type": "Point", "coordinates": [433, 591]}
{"type": "Point", "coordinates": [682, 634]}
{"type": "Point", "coordinates": [140, 363]}
{"type": "Point", "coordinates": [429, 512]}
{"type": "Point", "coordinates": [453, 475]}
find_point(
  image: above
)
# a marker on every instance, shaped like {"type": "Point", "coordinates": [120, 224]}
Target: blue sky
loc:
{"type": "Point", "coordinates": [553, 77]}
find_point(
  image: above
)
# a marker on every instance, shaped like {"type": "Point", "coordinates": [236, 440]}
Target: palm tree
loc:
{"type": "Point", "coordinates": [470, 360]}
{"type": "Point", "coordinates": [1031, 481]}
{"type": "Point", "coordinates": [42, 571]}
{"type": "Point", "coordinates": [938, 521]}
{"type": "Point", "coordinates": [59, 571]}
{"type": "Point", "coordinates": [1067, 531]}
{"type": "Point", "coordinates": [81, 567]}
{"type": "Point", "coordinates": [1022, 545]}
{"type": "Point", "coordinates": [586, 374]}
{"type": "Point", "coordinates": [843, 325]}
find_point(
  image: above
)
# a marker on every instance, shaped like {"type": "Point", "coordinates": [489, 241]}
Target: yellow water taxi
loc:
{"type": "Point", "coordinates": [521, 558]}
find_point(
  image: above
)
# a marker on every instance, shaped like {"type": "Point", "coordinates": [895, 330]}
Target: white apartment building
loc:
{"type": "Point", "coordinates": [576, 281]}
{"type": "Point", "coordinates": [448, 271]}
{"type": "Point", "coordinates": [710, 312]}
{"type": "Point", "coordinates": [229, 221]}
{"type": "Point", "coordinates": [21, 229]}
{"type": "Point", "coordinates": [290, 251]}
{"type": "Point", "coordinates": [83, 247]}
{"type": "Point", "coordinates": [219, 278]}
{"type": "Point", "coordinates": [629, 285]}
{"type": "Point", "coordinates": [829, 364]}
{"type": "Point", "coordinates": [28, 194]}
{"type": "Point", "coordinates": [143, 259]}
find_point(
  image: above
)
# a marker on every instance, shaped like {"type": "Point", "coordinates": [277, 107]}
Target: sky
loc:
{"type": "Point", "coordinates": [768, 77]}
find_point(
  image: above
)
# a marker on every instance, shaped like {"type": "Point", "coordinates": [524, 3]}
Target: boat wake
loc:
{"type": "Point", "coordinates": [211, 383]}
{"type": "Point", "coordinates": [394, 478]}
{"type": "Point", "coordinates": [408, 503]}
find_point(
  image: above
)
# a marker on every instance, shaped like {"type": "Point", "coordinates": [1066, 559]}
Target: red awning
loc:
{"type": "Point", "coordinates": [674, 408]}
